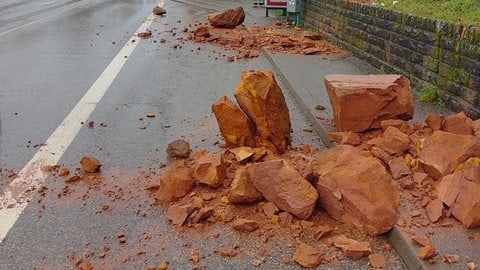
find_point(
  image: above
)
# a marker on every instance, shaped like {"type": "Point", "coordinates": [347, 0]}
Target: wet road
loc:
{"type": "Point", "coordinates": [61, 60]}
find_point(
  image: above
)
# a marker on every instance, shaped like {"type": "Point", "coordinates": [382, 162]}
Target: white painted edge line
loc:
{"type": "Point", "coordinates": [21, 190]}
{"type": "Point", "coordinates": [47, 3]}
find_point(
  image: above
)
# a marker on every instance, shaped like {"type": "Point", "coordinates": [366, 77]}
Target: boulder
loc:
{"type": "Point", "coordinates": [460, 190]}
{"type": "Point", "coordinates": [234, 124]}
{"type": "Point", "coordinates": [175, 183]}
{"type": "Point", "coordinates": [90, 164]}
{"type": "Point", "coordinates": [458, 124]}
{"type": "Point", "coordinates": [356, 189]}
{"type": "Point", "coordinates": [242, 190]}
{"type": "Point", "coordinates": [229, 18]}
{"type": "Point", "coordinates": [179, 148]}
{"type": "Point", "coordinates": [282, 185]}
{"type": "Point", "coordinates": [307, 256]}
{"type": "Point", "coordinates": [393, 141]}
{"type": "Point", "coordinates": [260, 97]}
{"type": "Point", "coordinates": [443, 152]}
{"type": "Point", "coordinates": [210, 169]}
{"type": "Point", "coordinates": [361, 102]}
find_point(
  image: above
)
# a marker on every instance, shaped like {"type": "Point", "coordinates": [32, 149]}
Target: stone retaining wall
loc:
{"type": "Point", "coordinates": [427, 51]}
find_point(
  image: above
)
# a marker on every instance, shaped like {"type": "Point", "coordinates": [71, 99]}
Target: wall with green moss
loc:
{"type": "Point", "coordinates": [427, 51]}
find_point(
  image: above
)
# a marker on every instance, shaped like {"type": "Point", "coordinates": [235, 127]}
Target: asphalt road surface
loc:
{"type": "Point", "coordinates": [67, 63]}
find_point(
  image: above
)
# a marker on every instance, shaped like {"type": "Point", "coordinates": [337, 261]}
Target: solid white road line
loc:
{"type": "Point", "coordinates": [21, 190]}
{"type": "Point", "coordinates": [47, 3]}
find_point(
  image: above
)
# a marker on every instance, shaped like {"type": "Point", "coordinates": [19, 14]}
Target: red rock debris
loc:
{"type": "Point", "coordinates": [247, 43]}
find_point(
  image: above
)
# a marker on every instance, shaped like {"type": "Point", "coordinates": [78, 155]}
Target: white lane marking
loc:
{"type": "Point", "coordinates": [21, 190]}
{"type": "Point", "coordinates": [47, 3]}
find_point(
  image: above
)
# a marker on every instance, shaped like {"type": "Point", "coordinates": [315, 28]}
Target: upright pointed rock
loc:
{"type": "Point", "coordinates": [260, 97]}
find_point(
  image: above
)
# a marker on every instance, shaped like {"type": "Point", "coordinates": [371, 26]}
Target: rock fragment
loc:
{"type": "Point", "coordinates": [203, 213]}
{"type": "Point", "coordinates": [242, 153]}
{"type": "Point", "coordinates": [434, 121]}
{"type": "Point", "coordinates": [399, 168]}
{"type": "Point", "coordinates": [393, 141]}
{"type": "Point", "coordinates": [159, 10]}
{"type": "Point", "coordinates": [356, 189]}
{"type": "Point", "coordinates": [175, 183]}
{"type": "Point", "coordinates": [242, 190]}
{"type": "Point", "coordinates": [179, 148]}
{"type": "Point", "coordinates": [210, 168]}
{"type": "Point", "coordinates": [177, 214]}
{"type": "Point", "coordinates": [361, 102]}
{"type": "Point", "coordinates": [307, 256]}
{"type": "Point", "coordinates": [260, 97]}
{"type": "Point", "coordinates": [460, 190]}
{"type": "Point", "coordinates": [435, 210]}
{"type": "Point", "coordinates": [245, 225]}
{"type": "Point", "coordinates": [442, 152]}
{"type": "Point", "coordinates": [348, 137]}
{"type": "Point", "coordinates": [270, 209]}
{"type": "Point", "coordinates": [229, 18]}
{"type": "Point", "coordinates": [282, 185]}
{"type": "Point", "coordinates": [458, 124]}
{"type": "Point", "coordinates": [377, 260]}
{"type": "Point", "coordinates": [352, 248]}
{"type": "Point", "coordinates": [90, 164]}
{"type": "Point", "coordinates": [426, 253]}
{"type": "Point", "coordinates": [234, 124]}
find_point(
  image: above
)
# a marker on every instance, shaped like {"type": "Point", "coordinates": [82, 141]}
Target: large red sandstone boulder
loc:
{"type": "Point", "coordinates": [361, 102]}
{"type": "Point", "coordinates": [442, 152]}
{"type": "Point", "coordinates": [460, 190]}
{"type": "Point", "coordinates": [282, 185]}
{"type": "Point", "coordinates": [356, 189]}
{"type": "Point", "coordinates": [210, 168]}
{"type": "Point", "coordinates": [234, 124]}
{"type": "Point", "coordinates": [229, 18]}
{"type": "Point", "coordinates": [260, 97]}
{"type": "Point", "coordinates": [175, 183]}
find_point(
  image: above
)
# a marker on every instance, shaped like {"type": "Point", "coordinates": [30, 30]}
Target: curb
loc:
{"type": "Point", "coordinates": [402, 244]}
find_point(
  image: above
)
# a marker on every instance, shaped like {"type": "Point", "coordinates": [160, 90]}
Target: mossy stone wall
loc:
{"type": "Point", "coordinates": [427, 51]}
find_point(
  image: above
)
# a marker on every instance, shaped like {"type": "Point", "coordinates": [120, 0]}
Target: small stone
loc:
{"type": "Point", "coordinates": [450, 258]}
{"type": "Point", "coordinates": [90, 164]}
{"type": "Point", "coordinates": [144, 34]}
{"type": "Point", "coordinates": [242, 153]}
{"type": "Point", "coordinates": [377, 260]}
{"type": "Point", "coordinates": [179, 148]}
{"type": "Point", "coordinates": [426, 253]}
{"type": "Point", "coordinates": [398, 168]}
{"type": "Point", "coordinates": [63, 171]}
{"type": "Point", "coordinates": [307, 256]}
{"type": "Point", "coordinates": [245, 225]}
{"type": "Point", "coordinates": [352, 248]}
{"type": "Point", "coordinates": [163, 265]}
{"type": "Point", "coordinates": [270, 209]}
{"type": "Point", "coordinates": [203, 213]}
{"type": "Point", "coordinates": [435, 210]}
{"type": "Point", "coordinates": [72, 178]}
{"type": "Point", "coordinates": [159, 10]}
{"type": "Point", "coordinates": [178, 214]}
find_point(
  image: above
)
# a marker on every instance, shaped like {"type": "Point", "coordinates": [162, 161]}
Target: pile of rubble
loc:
{"type": "Point", "coordinates": [361, 181]}
{"type": "Point", "coordinates": [247, 42]}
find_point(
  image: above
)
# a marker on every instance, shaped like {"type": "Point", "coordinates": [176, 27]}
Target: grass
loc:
{"type": "Point", "coordinates": [466, 12]}
{"type": "Point", "coordinates": [431, 94]}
